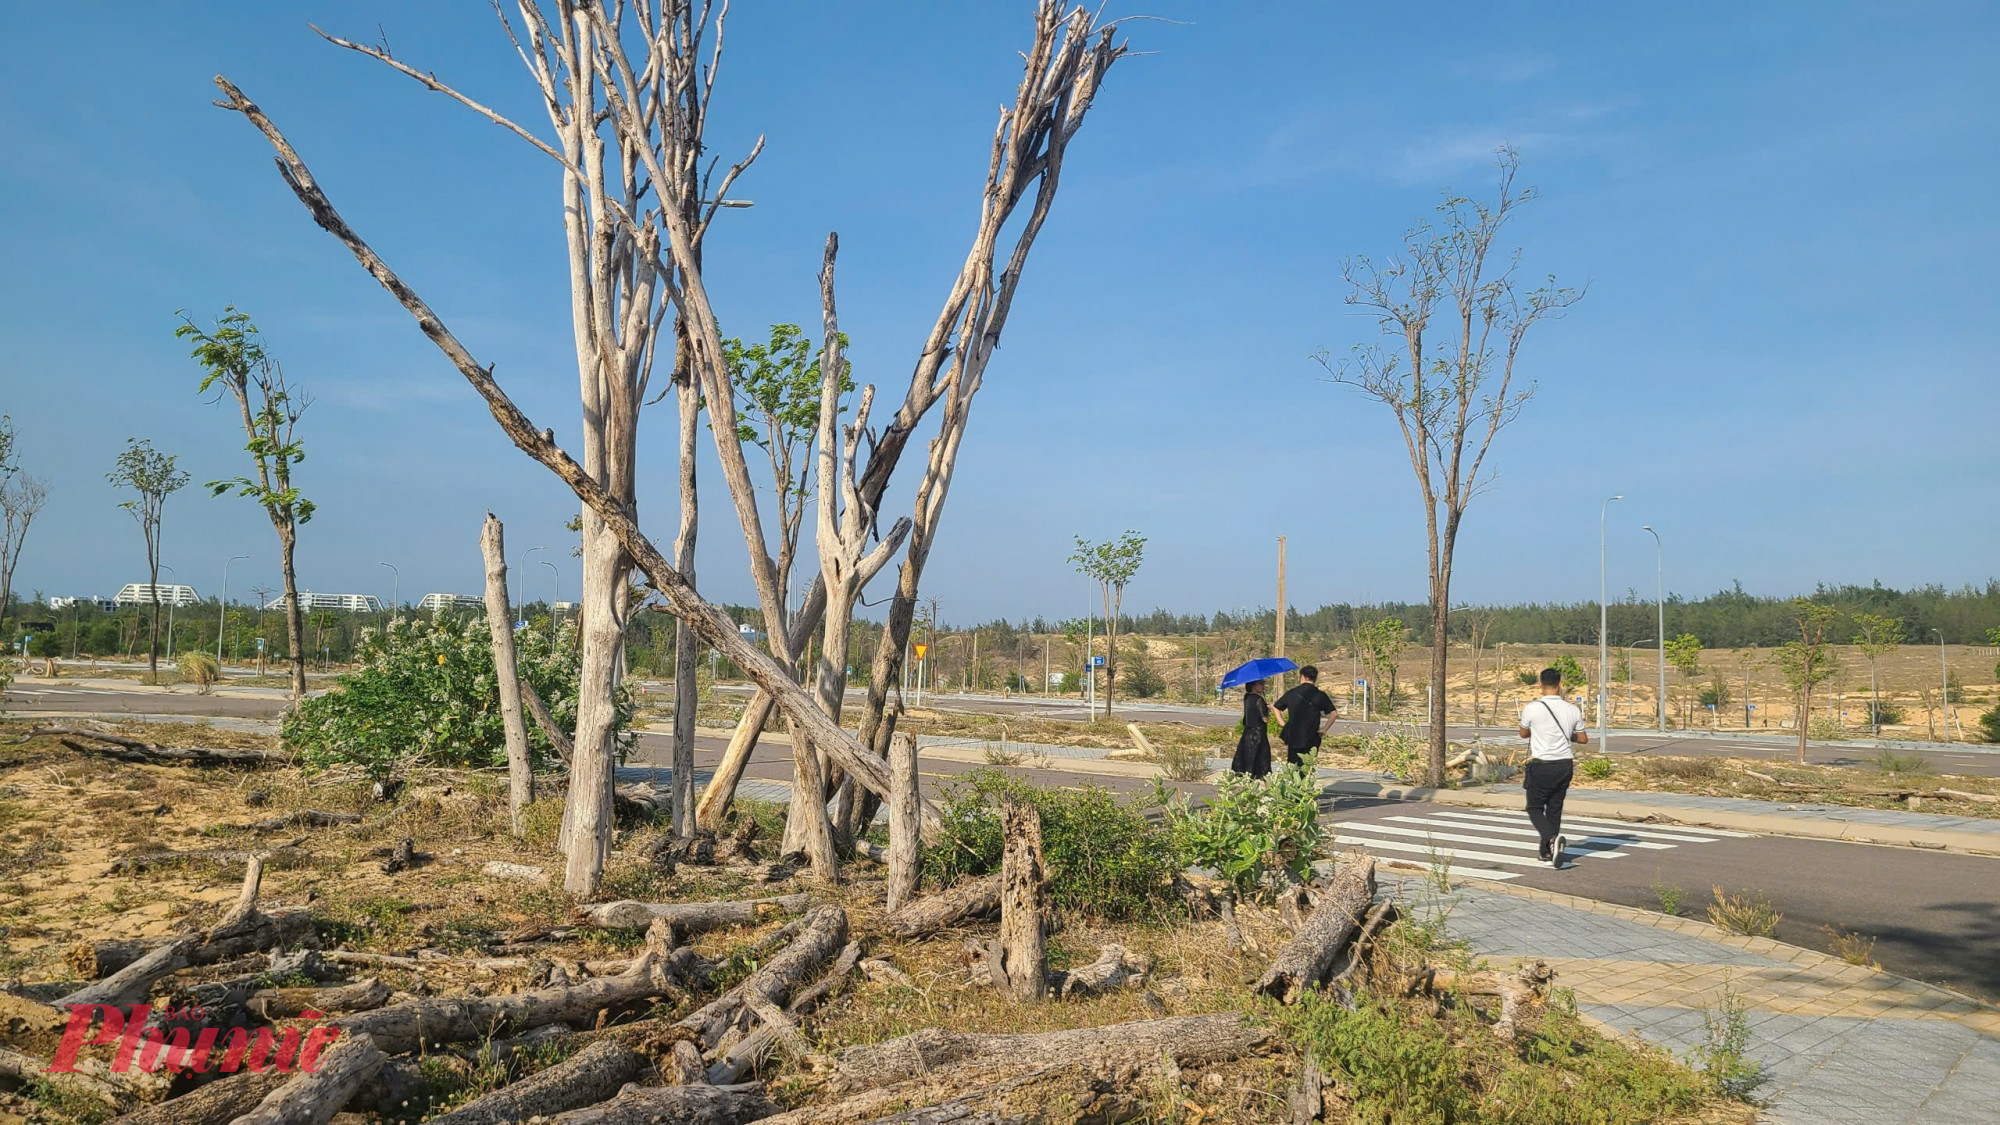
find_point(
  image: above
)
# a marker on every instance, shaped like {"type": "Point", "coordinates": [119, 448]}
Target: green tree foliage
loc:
{"type": "Point", "coordinates": [1382, 644]}
{"type": "Point", "coordinates": [777, 390]}
{"type": "Point", "coordinates": [1142, 675]}
{"type": "Point", "coordinates": [154, 476]}
{"type": "Point", "coordinates": [1684, 653]}
{"type": "Point", "coordinates": [1575, 678]}
{"type": "Point", "coordinates": [1253, 828]}
{"type": "Point", "coordinates": [426, 694]}
{"type": "Point", "coordinates": [1105, 859]}
{"type": "Point", "coordinates": [1112, 564]}
{"type": "Point", "coordinates": [1809, 660]}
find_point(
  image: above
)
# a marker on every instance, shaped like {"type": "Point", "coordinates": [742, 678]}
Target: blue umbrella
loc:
{"type": "Point", "coordinates": [1258, 670]}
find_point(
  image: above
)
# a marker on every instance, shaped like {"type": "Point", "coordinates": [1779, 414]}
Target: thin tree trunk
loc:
{"type": "Point", "coordinates": [153, 636]}
{"type": "Point", "coordinates": [686, 698]}
{"type": "Point", "coordinates": [1023, 963]}
{"type": "Point", "coordinates": [587, 814]}
{"type": "Point", "coordinates": [721, 789]}
{"type": "Point", "coordinates": [506, 670]}
{"type": "Point", "coordinates": [295, 621]}
{"type": "Point", "coordinates": [905, 822]}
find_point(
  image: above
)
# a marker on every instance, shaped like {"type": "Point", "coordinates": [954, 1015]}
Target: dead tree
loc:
{"type": "Point", "coordinates": [1063, 69]}
{"type": "Point", "coordinates": [1022, 964]}
{"type": "Point", "coordinates": [507, 671]}
{"type": "Point", "coordinates": [905, 839]}
{"type": "Point", "coordinates": [1450, 401]}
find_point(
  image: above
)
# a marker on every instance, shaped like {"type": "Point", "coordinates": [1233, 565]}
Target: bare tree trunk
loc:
{"type": "Point", "coordinates": [1024, 903]}
{"type": "Point", "coordinates": [295, 615]}
{"type": "Point", "coordinates": [686, 698]}
{"type": "Point", "coordinates": [905, 849]}
{"type": "Point", "coordinates": [153, 636]}
{"type": "Point", "coordinates": [587, 815]}
{"type": "Point", "coordinates": [721, 787]}
{"type": "Point", "coordinates": [506, 671]}
{"type": "Point", "coordinates": [1305, 961]}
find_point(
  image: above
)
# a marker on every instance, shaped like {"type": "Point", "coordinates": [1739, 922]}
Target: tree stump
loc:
{"type": "Point", "coordinates": [1023, 964]}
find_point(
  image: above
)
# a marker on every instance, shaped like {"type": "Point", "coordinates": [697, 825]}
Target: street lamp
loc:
{"type": "Point", "coordinates": [557, 596]}
{"type": "Point", "coordinates": [1603, 622]}
{"type": "Point", "coordinates": [1944, 684]}
{"type": "Point", "coordinates": [1660, 600]}
{"type": "Point", "coordinates": [222, 614]}
{"type": "Point", "coordinates": [170, 608]}
{"type": "Point", "coordinates": [396, 598]}
{"type": "Point", "coordinates": [521, 603]}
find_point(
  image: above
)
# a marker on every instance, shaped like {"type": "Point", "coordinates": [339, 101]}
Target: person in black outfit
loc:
{"type": "Point", "coordinates": [1253, 747]}
{"type": "Point", "coordinates": [1302, 707]}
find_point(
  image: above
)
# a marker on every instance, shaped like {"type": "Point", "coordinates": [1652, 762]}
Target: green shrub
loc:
{"type": "Point", "coordinates": [1251, 829]}
{"type": "Point", "coordinates": [1989, 725]}
{"type": "Point", "coordinates": [1138, 677]}
{"type": "Point", "coordinates": [1595, 768]}
{"type": "Point", "coordinates": [198, 668]}
{"type": "Point", "coordinates": [1397, 750]}
{"type": "Point", "coordinates": [1888, 761]}
{"type": "Point", "coordinates": [426, 694]}
{"type": "Point", "coordinates": [1105, 858]}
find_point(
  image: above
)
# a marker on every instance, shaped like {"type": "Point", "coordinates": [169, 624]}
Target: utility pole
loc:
{"type": "Point", "coordinates": [1944, 685]}
{"type": "Point", "coordinates": [221, 616]}
{"type": "Point", "coordinates": [1603, 623]}
{"type": "Point", "coordinates": [1281, 606]}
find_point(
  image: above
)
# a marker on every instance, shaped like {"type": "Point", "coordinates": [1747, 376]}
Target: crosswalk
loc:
{"type": "Point", "coordinates": [1500, 844]}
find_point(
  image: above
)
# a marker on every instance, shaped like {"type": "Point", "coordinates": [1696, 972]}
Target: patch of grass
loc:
{"type": "Point", "coordinates": [1681, 769]}
{"type": "Point", "coordinates": [1670, 896]}
{"type": "Point", "coordinates": [68, 1104]}
{"type": "Point", "coordinates": [1749, 913]}
{"type": "Point", "coordinates": [997, 754]}
{"type": "Point", "coordinates": [1851, 947]}
{"type": "Point", "coordinates": [1597, 769]}
{"type": "Point", "coordinates": [1888, 761]}
{"type": "Point", "coordinates": [541, 824]}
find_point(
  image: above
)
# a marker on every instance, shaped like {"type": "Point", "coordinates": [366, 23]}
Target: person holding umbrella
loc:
{"type": "Point", "coordinates": [1253, 746]}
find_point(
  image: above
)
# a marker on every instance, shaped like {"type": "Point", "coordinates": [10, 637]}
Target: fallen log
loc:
{"type": "Point", "coordinates": [289, 1003]}
{"type": "Point", "coordinates": [1060, 1094]}
{"type": "Point", "coordinates": [1116, 967]}
{"type": "Point", "coordinates": [1517, 990]}
{"type": "Point", "coordinates": [1382, 914]}
{"type": "Point", "coordinates": [26, 1069]}
{"type": "Point", "coordinates": [134, 983]}
{"type": "Point", "coordinates": [146, 753]}
{"type": "Point", "coordinates": [1963, 795]}
{"type": "Point", "coordinates": [305, 818]}
{"type": "Point", "coordinates": [1306, 959]}
{"type": "Point", "coordinates": [592, 1075]}
{"type": "Point", "coordinates": [1191, 1041]}
{"type": "Point", "coordinates": [313, 1096]}
{"type": "Point", "coordinates": [134, 864]}
{"type": "Point", "coordinates": [974, 898]}
{"type": "Point", "coordinates": [745, 1055]}
{"type": "Point", "coordinates": [499, 869]}
{"type": "Point", "coordinates": [215, 1103]}
{"type": "Point", "coordinates": [675, 1105]}
{"type": "Point", "coordinates": [824, 935]}
{"type": "Point", "coordinates": [401, 1028]}
{"type": "Point", "coordinates": [691, 917]}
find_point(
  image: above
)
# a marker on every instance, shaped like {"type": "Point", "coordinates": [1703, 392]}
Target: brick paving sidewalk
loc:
{"type": "Point", "coordinates": [1838, 1042]}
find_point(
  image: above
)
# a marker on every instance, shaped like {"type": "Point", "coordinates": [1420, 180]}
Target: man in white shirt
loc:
{"type": "Point", "coordinates": [1550, 724]}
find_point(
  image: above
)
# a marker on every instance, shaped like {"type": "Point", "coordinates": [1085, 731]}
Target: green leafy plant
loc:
{"type": "Point", "coordinates": [1851, 947]}
{"type": "Point", "coordinates": [1105, 858]}
{"type": "Point", "coordinates": [1252, 829]}
{"type": "Point", "coordinates": [1722, 1058]}
{"type": "Point", "coordinates": [1670, 896]}
{"type": "Point", "coordinates": [1597, 769]}
{"type": "Point", "coordinates": [1182, 761]}
{"type": "Point", "coordinates": [1888, 761]}
{"type": "Point", "coordinates": [426, 694]}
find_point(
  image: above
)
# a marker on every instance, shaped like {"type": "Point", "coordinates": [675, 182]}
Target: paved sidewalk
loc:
{"type": "Point", "coordinates": [1839, 1042]}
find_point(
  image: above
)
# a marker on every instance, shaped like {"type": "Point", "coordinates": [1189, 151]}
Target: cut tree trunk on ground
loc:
{"type": "Point", "coordinates": [134, 983]}
{"type": "Point", "coordinates": [738, 1061]}
{"type": "Point", "coordinates": [1191, 1041]}
{"type": "Point", "coordinates": [102, 958]}
{"type": "Point", "coordinates": [675, 1105]}
{"type": "Point", "coordinates": [135, 864]}
{"type": "Point", "coordinates": [1305, 961]}
{"type": "Point", "coordinates": [506, 671]}
{"type": "Point", "coordinates": [1116, 967]}
{"type": "Point", "coordinates": [402, 1028]}
{"type": "Point", "coordinates": [824, 935]}
{"type": "Point", "coordinates": [693, 917]}
{"type": "Point", "coordinates": [306, 818]}
{"type": "Point", "coordinates": [146, 753]}
{"type": "Point", "coordinates": [1517, 990]}
{"type": "Point", "coordinates": [215, 1103]}
{"type": "Point", "coordinates": [287, 1003]}
{"type": "Point", "coordinates": [592, 1075]}
{"type": "Point", "coordinates": [25, 1069]}
{"type": "Point", "coordinates": [312, 1097]}
{"type": "Point", "coordinates": [905, 823]}
{"type": "Point", "coordinates": [1022, 961]}
{"type": "Point", "coordinates": [974, 898]}
{"type": "Point", "coordinates": [976, 1094]}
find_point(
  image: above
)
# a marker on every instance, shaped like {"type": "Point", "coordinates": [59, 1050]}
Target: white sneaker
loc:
{"type": "Point", "coordinates": [1556, 853]}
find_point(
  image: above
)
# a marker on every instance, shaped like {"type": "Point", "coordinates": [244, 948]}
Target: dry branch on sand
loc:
{"type": "Point", "coordinates": [128, 749]}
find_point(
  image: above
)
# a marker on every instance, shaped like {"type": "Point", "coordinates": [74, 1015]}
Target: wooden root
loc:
{"type": "Point", "coordinates": [824, 935]}
{"type": "Point", "coordinates": [1116, 967]}
{"type": "Point", "coordinates": [1517, 990]}
{"type": "Point", "coordinates": [1305, 961]}
{"type": "Point", "coordinates": [133, 750]}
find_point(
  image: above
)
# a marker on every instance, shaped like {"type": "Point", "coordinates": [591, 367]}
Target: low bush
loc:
{"type": "Point", "coordinates": [1105, 858]}
{"type": "Point", "coordinates": [1748, 914]}
{"type": "Point", "coordinates": [1888, 761]}
{"type": "Point", "coordinates": [1182, 762]}
{"type": "Point", "coordinates": [1989, 725]}
{"type": "Point", "coordinates": [1596, 769]}
{"type": "Point", "coordinates": [200, 669]}
{"type": "Point", "coordinates": [1252, 829]}
{"type": "Point", "coordinates": [1397, 750]}
{"type": "Point", "coordinates": [426, 694]}
{"type": "Point", "coordinates": [1682, 769]}
{"type": "Point", "coordinates": [1827, 728]}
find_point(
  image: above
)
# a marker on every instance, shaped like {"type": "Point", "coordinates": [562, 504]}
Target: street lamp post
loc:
{"type": "Point", "coordinates": [553, 598]}
{"type": "Point", "coordinates": [1944, 685]}
{"type": "Point", "coordinates": [1660, 600]}
{"type": "Point", "coordinates": [170, 608]}
{"type": "Point", "coordinates": [396, 585]}
{"type": "Point", "coordinates": [521, 603]}
{"type": "Point", "coordinates": [222, 614]}
{"type": "Point", "coordinates": [1603, 622]}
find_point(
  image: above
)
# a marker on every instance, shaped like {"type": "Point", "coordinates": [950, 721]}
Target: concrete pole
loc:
{"type": "Point", "coordinates": [1660, 600]}
{"type": "Point", "coordinates": [1603, 621]}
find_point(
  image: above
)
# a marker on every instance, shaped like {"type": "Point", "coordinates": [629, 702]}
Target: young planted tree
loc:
{"type": "Point", "coordinates": [778, 410]}
{"type": "Point", "coordinates": [1382, 644]}
{"type": "Point", "coordinates": [651, 115]}
{"type": "Point", "coordinates": [233, 355]}
{"type": "Point", "coordinates": [1810, 660]}
{"type": "Point", "coordinates": [1111, 564]}
{"type": "Point", "coordinates": [1684, 653]}
{"type": "Point", "coordinates": [1876, 635]}
{"type": "Point", "coordinates": [154, 477]}
{"type": "Point", "coordinates": [1450, 397]}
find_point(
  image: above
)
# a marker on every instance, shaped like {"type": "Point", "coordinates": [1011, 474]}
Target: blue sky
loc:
{"type": "Point", "coordinates": [1783, 211]}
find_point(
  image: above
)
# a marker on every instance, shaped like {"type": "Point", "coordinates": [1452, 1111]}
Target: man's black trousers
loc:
{"type": "Point", "coordinates": [1547, 783]}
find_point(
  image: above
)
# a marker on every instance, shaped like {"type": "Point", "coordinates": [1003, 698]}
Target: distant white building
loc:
{"type": "Point", "coordinates": [452, 601]}
{"type": "Point", "coordinates": [563, 607]}
{"type": "Point", "coordinates": [353, 603]}
{"type": "Point", "coordinates": [105, 604]}
{"type": "Point", "coordinates": [142, 593]}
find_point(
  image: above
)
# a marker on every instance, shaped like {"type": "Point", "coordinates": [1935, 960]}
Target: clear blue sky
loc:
{"type": "Point", "coordinates": [1784, 212]}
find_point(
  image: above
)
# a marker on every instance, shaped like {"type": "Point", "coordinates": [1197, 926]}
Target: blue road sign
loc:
{"type": "Point", "coordinates": [1097, 662]}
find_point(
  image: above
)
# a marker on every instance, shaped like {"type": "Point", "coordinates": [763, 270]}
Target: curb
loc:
{"type": "Point", "coordinates": [1825, 828]}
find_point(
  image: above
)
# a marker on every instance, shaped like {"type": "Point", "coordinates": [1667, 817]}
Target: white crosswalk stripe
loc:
{"type": "Point", "coordinates": [1489, 843]}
